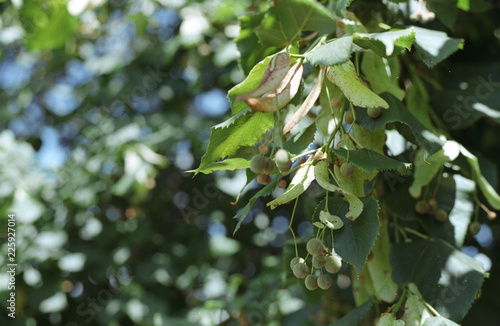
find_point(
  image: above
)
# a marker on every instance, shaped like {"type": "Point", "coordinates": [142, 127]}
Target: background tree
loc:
{"type": "Point", "coordinates": [105, 104]}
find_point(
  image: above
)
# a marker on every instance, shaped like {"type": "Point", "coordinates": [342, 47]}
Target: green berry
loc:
{"type": "Point", "coordinates": [300, 270]}
{"type": "Point", "coordinates": [324, 281]}
{"type": "Point", "coordinates": [295, 261]}
{"type": "Point", "coordinates": [318, 261]}
{"type": "Point", "coordinates": [374, 112]}
{"type": "Point", "coordinates": [348, 117]}
{"type": "Point", "coordinates": [311, 282]}
{"type": "Point", "coordinates": [283, 160]}
{"type": "Point", "coordinates": [441, 215]}
{"type": "Point", "coordinates": [422, 207]}
{"type": "Point", "coordinates": [333, 264]}
{"type": "Point", "coordinates": [315, 246]}
{"type": "Point", "coordinates": [258, 163]}
{"type": "Point", "coordinates": [474, 228]}
{"type": "Point", "coordinates": [346, 169]}
{"type": "Point", "coordinates": [268, 166]}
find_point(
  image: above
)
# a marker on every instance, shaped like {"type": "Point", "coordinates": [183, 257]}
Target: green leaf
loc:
{"type": "Point", "coordinates": [448, 279]}
{"type": "Point", "coordinates": [435, 46]}
{"type": "Point", "coordinates": [446, 11]}
{"type": "Point", "coordinates": [241, 160]}
{"type": "Point", "coordinates": [301, 140]}
{"type": "Point", "coordinates": [356, 316]}
{"type": "Point", "coordinates": [238, 131]}
{"type": "Point", "coordinates": [345, 77]}
{"type": "Point", "coordinates": [266, 191]}
{"type": "Point", "coordinates": [415, 311]}
{"type": "Point", "coordinates": [283, 23]}
{"type": "Point", "coordinates": [427, 168]}
{"type": "Point", "coordinates": [388, 43]}
{"type": "Point", "coordinates": [300, 182]}
{"type": "Point", "coordinates": [439, 321]}
{"type": "Point", "coordinates": [354, 241]}
{"type": "Point", "coordinates": [251, 50]}
{"type": "Point", "coordinates": [379, 269]}
{"type": "Point", "coordinates": [47, 27]}
{"type": "Point", "coordinates": [397, 112]}
{"type": "Point", "coordinates": [332, 53]}
{"type": "Point", "coordinates": [370, 161]}
{"type": "Point", "coordinates": [250, 83]}
{"type": "Point", "coordinates": [382, 74]}
{"type": "Point", "coordinates": [323, 179]}
{"type": "Point", "coordinates": [486, 188]}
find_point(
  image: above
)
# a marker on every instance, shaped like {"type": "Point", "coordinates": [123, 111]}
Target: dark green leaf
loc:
{"type": "Point", "coordinates": [369, 161]}
{"type": "Point", "coordinates": [354, 240]}
{"type": "Point", "coordinates": [283, 23]}
{"type": "Point", "coordinates": [251, 50]}
{"type": "Point", "coordinates": [382, 74]}
{"type": "Point", "coordinates": [448, 279]}
{"type": "Point", "coordinates": [333, 53]}
{"type": "Point", "coordinates": [435, 46]}
{"type": "Point", "coordinates": [446, 11]}
{"type": "Point", "coordinates": [397, 112]}
{"type": "Point", "coordinates": [356, 316]}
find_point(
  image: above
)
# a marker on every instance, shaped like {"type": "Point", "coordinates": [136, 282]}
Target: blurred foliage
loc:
{"type": "Point", "coordinates": [104, 104]}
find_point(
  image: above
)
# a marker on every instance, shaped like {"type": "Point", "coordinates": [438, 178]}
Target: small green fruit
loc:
{"type": "Point", "coordinates": [311, 282]}
{"type": "Point", "coordinates": [422, 207]}
{"type": "Point", "coordinates": [300, 270]}
{"type": "Point", "coordinates": [258, 163]}
{"type": "Point", "coordinates": [315, 246]}
{"type": "Point", "coordinates": [318, 261]}
{"type": "Point", "coordinates": [346, 169]}
{"type": "Point", "coordinates": [348, 117]}
{"type": "Point", "coordinates": [474, 228]}
{"type": "Point", "coordinates": [333, 264]}
{"type": "Point", "coordinates": [374, 112]}
{"type": "Point", "coordinates": [324, 281]}
{"type": "Point", "coordinates": [295, 261]}
{"type": "Point", "coordinates": [441, 215]}
{"type": "Point", "coordinates": [268, 166]}
{"type": "Point", "coordinates": [283, 160]}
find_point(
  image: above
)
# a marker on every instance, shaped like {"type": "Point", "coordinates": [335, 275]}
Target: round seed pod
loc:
{"type": "Point", "coordinates": [283, 160]}
{"type": "Point", "coordinates": [295, 261]}
{"type": "Point", "coordinates": [475, 227]}
{"type": "Point", "coordinates": [324, 281]}
{"type": "Point", "coordinates": [300, 270]}
{"type": "Point", "coordinates": [422, 207]}
{"type": "Point", "coordinates": [441, 215]}
{"type": "Point", "coordinates": [282, 183]}
{"type": "Point", "coordinates": [263, 149]}
{"type": "Point", "coordinates": [315, 246]}
{"type": "Point", "coordinates": [263, 179]}
{"type": "Point", "coordinates": [346, 169]}
{"type": "Point", "coordinates": [374, 112]}
{"type": "Point", "coordinates": [319, 261]}
{"type": "Point", "coordinates": [311, 282]}
{"type": "Point", "coordinates": [348, 117]}
{"type": "Point", "coordinates": [333, 264]}
{"type": "Point", "coordinates": [268, 166]}
{"type": "Point", "coordinates": [258, 163]}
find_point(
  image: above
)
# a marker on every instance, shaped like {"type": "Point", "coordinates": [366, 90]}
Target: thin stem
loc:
{"type": "Point", "coordinates": [423, 236]}
{"type": "Point", "coordinates": [304, 154]}
{"type": "Point", "coordinates": [290, 227]}
{"type": "Point", "coordinates": [395, 308]}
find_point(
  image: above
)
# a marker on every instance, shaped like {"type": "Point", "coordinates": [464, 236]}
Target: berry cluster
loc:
{"type": "Point", "coordinates": [320, 258]}
{"type": "Point", "coordinates": [264, 166]}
